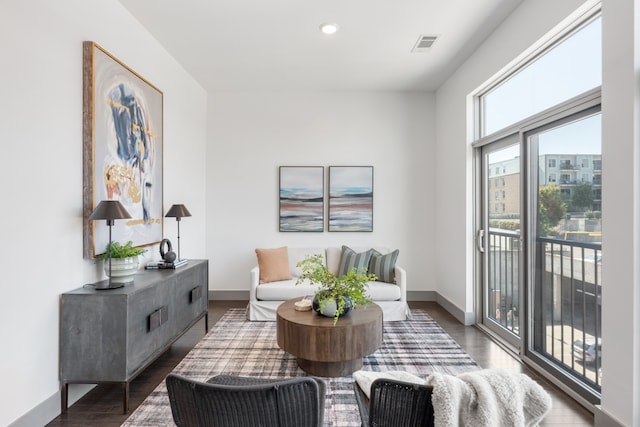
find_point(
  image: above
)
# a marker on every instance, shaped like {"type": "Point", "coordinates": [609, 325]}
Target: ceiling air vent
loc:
{"type": "Point", "coordinates": [424, 43]}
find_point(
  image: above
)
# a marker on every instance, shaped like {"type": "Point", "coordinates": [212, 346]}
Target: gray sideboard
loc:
{"type": "Point", "coordinates": [110, 336]}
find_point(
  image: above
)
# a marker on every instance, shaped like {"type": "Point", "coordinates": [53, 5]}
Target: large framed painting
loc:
{"type": "Point", "coordinates": [350, 198]}
{"type": "Point", "coordinates": [302, 198]}
{"type": "Point", "coordinates": [122, 150]}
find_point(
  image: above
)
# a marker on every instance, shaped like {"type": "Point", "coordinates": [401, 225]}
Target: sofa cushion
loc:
{"type": "Point", "coordinates": [333, 259]}
{"type": "Point", "coordinates": [273, 264]}
{"type": "Point", "coordinates": [383, 291]}
{"type": "Point", "coordinates": [383, 266]}
{"type": "Point", "coordinates": [284, 290]}
{"type": "Point", "coordinates": [350, 259]}
{"type": "Point", "coordinates": [298, 254]}
{"type": "Point", "coordinates": [334, 253]}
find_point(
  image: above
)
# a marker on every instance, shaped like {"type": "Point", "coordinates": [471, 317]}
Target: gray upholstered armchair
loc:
{"type": "Point", "coordinates": [232, 401]}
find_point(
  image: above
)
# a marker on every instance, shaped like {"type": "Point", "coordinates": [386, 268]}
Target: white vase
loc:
{"type": "Point", "coordinates": [123, 270]}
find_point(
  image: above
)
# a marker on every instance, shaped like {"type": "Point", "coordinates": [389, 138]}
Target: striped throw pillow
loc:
{"type": "Point", "coordinates": [350, 259]}
{"type": "Point", "coordinates": [383, 266]}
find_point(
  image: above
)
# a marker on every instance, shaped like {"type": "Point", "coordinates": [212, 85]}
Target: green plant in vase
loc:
{"type": "Point", "coordinates": [118, 250]}
{"type": "Point", "coordinates": [343, 293]}
{"type": "Point", "coordinates": [121, 261]}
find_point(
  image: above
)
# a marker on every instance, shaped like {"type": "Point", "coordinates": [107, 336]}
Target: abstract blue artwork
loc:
{"type": "Point", "coordinates": [350, 198]}
{"type": "Point", "coordinates": [302, 198]}
{"type": "Point", "coordinates": [123, 137]}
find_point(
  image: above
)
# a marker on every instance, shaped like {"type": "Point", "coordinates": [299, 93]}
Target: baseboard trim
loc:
{"type": "Point", "coordinates": [49, 408]}
{"type": "Point", "coordinates": [604, 419]}
{"type": "Point", "coordinates": [229, 295]}
{"type": "Point", "coordinates": [422, 296]}
{"type": "Point", "coordinates": [41, 414]}
{"type": "Point", "coordinates": [467, 318]}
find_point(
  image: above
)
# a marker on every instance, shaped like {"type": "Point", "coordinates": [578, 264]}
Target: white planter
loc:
{"type": "Point", "coordinates": [123, 270]}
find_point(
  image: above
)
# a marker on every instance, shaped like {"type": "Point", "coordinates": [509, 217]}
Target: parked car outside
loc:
{"type": "Point", "coordinates": [587, 351]}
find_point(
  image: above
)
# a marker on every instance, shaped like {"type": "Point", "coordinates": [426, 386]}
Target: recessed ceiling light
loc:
{"type": "Point", "coordinates": [329, 28]}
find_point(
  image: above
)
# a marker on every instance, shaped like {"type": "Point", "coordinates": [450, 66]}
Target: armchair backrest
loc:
{"type": "Point", "coordinates": [399, 403]}
{"type": "Point", "coordinates": [294, 402]}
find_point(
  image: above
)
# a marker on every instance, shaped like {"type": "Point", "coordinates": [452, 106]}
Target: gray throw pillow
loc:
{"type": "Point", "coordinates": [350, 259]}
{"type": "Point", "coordinates": [383, 266]}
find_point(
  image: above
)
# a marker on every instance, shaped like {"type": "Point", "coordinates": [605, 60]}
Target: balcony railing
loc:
{"type": "Point", "coordinates": [566, 300]}
{"type": "Point", "coordinates": [567, 306]}
{"type": "Point", "coordinates": [504, 267]}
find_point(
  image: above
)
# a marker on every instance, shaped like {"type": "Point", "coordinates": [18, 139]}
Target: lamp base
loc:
{"type": "Point", "coordinates": [107, 284]}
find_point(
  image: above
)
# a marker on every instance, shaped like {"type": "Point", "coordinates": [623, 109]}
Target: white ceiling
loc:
{"type": "Point", "coordinates": [260, 45]}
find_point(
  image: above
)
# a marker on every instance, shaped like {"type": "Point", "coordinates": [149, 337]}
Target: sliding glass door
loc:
{"type": "Point", "coordinates": [499, 239]}
{"type": "Point", "coordinates": [566, 261]}
{"type": "Point", "coordinates": [540, 245]}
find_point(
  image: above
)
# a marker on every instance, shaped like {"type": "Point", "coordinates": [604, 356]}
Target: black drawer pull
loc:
{"type": "Point", "coordinates": [195, 294]}
{"type": "Point", "coordinates": [158, 318]}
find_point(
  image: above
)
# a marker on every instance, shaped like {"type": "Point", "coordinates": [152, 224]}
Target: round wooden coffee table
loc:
{"type": "Point", "coordinates": [326, 350]}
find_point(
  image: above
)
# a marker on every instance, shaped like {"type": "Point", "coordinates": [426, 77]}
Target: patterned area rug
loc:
{"type": "Point", "coordinates": [239, 347]}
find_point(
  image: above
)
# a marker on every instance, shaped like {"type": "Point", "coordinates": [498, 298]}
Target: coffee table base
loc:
{"type": "Point", "coordinates": [330, 369]}
{"type": "Point", "coordinates": [324, 348]}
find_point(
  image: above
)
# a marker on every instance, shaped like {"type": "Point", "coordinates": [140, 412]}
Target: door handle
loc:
{"type": "Point", "coordinates": [480, 240]}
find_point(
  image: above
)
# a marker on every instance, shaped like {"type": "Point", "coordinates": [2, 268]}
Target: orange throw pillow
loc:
{"type": "Point", "coordinates": [273, 264]}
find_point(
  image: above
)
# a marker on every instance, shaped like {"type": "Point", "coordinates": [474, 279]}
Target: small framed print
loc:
{"type": "Point", "coordinates": [302, 198]}
{"type": "Point", "coordinates": [350, 198]}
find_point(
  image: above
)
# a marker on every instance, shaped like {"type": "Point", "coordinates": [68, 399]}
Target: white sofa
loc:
{"type": "Point", "coordinates": [264, 298]}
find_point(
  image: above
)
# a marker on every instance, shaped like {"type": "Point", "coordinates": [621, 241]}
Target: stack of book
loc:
{"type": "Point", "coordinates": [161, 265]}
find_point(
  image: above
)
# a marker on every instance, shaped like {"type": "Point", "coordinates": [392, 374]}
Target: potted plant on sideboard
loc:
{"type": "Point", "coordinates": [124, 261]}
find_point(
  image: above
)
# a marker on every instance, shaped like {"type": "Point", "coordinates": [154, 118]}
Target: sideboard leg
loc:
{"type": "Point", "coordinates": [64, 397]}
{"type": "Point", "coordinates": [125, 397]}
{"type": "Point", "coordinates": [206, 322]}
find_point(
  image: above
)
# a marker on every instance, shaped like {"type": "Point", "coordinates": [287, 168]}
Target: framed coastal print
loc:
{"type": "Point", "coordinates": [301, 198]}
{"type": "Point", "coordinates": [122, 150]}
{"type": "Point", "coordinates": [350, 198]}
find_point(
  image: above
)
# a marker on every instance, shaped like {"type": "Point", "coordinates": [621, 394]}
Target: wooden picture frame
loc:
{"type": "Point", "coordinates": [301, 198]}
{"type": "Point", "coordinates": [350, 198]}
{"type": "Point", "coordinates": [122, 150]}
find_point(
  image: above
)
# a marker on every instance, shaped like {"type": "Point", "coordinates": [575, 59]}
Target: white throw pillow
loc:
{"type": "Point", "coordinates": [366, 378]}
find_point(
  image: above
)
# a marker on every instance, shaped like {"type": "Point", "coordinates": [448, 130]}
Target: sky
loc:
{"type": "Point", "coordinates": [571, 68]}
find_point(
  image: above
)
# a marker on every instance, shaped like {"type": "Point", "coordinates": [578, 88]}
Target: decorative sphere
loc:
{"type": "Point", "coordinates": [170, 256]}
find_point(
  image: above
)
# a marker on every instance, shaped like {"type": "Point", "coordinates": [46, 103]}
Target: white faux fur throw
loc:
{"type": "Point", "coordinates": [489, 397]}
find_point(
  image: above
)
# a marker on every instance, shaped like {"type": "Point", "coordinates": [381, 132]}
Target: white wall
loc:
{"type": "Point", "coordinates": [621, 210]}
{"type": "Point", "coordinates": [620, 91]}
{"type": "Point", "coordinates": [528, 23]}
{"type": "Point", "coordinates": [252, 134]}
{"type": "Point", "coordinates": [41, 175]}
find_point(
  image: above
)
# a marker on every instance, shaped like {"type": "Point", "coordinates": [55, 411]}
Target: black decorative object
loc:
{"type": "Point", "coordinates": [167, 254]}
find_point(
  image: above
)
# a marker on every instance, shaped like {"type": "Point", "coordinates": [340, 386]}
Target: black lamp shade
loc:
{"type": "Point", "coordinates": [178, 211]}
{"type": "Point", "coordinates": [109, 209]}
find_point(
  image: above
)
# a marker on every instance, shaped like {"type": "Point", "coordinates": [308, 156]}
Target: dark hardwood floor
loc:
{"type": "Point", "coordinates": [102, 406]}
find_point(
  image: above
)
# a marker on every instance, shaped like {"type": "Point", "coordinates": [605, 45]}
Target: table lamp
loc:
{"type": "Point", "coordinates": [109, 210]}
{"type": "Point", "coordinates": [177, 212]}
